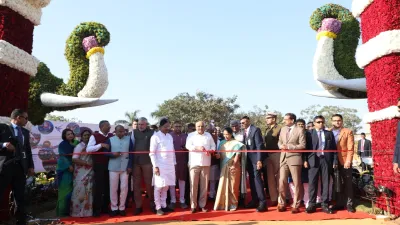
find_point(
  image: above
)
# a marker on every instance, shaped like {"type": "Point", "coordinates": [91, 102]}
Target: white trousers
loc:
{"type": "Point", "coordinates": [115, 178]}
{"type": "Point", "coordinates": [160, 197]}
{"type": "Point", "coordinates": [172, 192]}
{"type": "Point", "coordinates": [182, 185]}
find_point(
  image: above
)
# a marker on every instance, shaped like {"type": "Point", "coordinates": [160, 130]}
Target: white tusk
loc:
{"type": "Point", "coordinates": [359, 84]}
{"type": "Point", "coordinates": [97, 81]}
{"type": "Point", "coordinates": [54, 100]}
{"type": "Point", "coordinates": [323, 64]}
{"type": "Point", "coordinates": [98, 103]}
{"type": "Point", "coordinates": [328, 94]}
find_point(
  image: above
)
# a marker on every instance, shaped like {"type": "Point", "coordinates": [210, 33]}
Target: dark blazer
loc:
{"type": "Point", "coordinates": [396, 155]}
{"type": "Point", "coordinates": [330, 144]}
{"type": "Point", "coordinates": [254, 141]}
{"type": "Point", "coordinates": [367, 146]}
{"type": "Point", "coordinates": [22, 154]}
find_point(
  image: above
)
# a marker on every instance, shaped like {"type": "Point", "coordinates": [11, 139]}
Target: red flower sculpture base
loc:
{"type": "Point", "coordinates": [18, 31]}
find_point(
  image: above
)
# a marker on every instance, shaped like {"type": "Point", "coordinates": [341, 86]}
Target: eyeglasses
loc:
{"type": "Point", "coordinates": [268, 118]}
{"type": "Point", "coordinates": [242, 123]}
{"type": "Point", "coordinates": [24, 117]}
{"type": "Point", "coordinates": [319, 122]}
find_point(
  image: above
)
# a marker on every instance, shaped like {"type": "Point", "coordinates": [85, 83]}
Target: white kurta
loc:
{"type": "Point", "coordinates": [162, 155]}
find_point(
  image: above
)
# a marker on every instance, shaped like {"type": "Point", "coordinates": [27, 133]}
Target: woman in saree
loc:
{"type": "Point", "coordinates": [229, 182]}
{"type": "Point", "coordinates": [82, 197]}
{"type": "Point", "coordinates": [64, 172]}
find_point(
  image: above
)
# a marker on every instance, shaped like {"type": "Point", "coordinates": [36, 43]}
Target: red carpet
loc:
{"type": "Point", "coordinates": [239, 215]}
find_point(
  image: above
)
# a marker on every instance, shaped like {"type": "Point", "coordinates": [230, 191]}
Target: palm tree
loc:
{"type": "Point", "coordinates": [131, 116]}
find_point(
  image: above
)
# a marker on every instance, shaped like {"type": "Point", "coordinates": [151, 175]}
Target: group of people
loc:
{"type": "Point", "coordinates": [103, 170]}
{"type": "Point", "coordinates": [213, 161]}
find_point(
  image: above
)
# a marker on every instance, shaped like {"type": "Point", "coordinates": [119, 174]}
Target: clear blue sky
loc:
{"type": "Point", "coordinates": [261, 51]}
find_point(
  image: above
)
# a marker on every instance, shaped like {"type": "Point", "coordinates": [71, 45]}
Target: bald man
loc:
{"type": "Point", "coordinates": [198, 143]}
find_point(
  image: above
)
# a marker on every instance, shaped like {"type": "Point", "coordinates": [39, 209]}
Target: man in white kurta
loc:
{"type": "Point", "coordinates": [199, 143]}
{"type": "Point", "coordinates": [162, 157]}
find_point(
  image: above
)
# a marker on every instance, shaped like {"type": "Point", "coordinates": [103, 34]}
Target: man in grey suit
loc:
{"type": "Point", "coordinates": [253, 140]}
{"type": "Point", "coordinates": [291, 138]}
{"type": "Point", "coordinates": [364, 147]}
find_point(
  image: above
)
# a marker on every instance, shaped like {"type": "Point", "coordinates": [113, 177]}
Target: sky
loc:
{"type": "Point", "coordinates": [261, 51]}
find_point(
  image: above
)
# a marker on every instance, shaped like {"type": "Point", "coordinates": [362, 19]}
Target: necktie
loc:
{"type": "Point", "coordinates": [288, 134]}
{"type": "Point", "coordinates": [362, 145]}
{"type": "Point", "coordinates": [19, 137]}
{"type": "Point", "coordinates": [320, 143]}
{"type": "Point", "coordinates": [245, 136]}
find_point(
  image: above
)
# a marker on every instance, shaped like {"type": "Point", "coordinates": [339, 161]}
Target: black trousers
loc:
{"type": "Point", "coordinates": [256, 183]}
{"type": "Point", "coordinates": [322, 170]}
{"type": "Point", "coordinates": [13, 174]}
{"type": "Point", "coordinates": [101, 189]}
{"type": "Point", "coordinates": [347, 196]}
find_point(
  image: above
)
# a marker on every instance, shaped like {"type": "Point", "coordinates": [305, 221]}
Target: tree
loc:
{"type": "Point", "coordinates": [257, 116]}
{"type": "Point", "coordinates": [130, 117]}
{"type": "Point", "coordinates": [61, 118]}
{"type": "Point", "coordinates": [350, 118]}
{"type": "Point", "coordinates": [202, 106]}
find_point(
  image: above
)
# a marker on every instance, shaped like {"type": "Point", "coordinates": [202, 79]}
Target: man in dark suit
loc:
{"type": "Point", "coordinates": [364, 147]}
{"type": "Point", "coordinates": [15, 159]}
{"type": "Point", "coordinates": [396, 155]}
{"type": "Point", "coordinates": [320, 164]}
{"type": "Point", "coordinates": [253, 140]}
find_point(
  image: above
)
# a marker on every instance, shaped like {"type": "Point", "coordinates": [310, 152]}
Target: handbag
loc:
{"type": "Point", "coordinates": [337, 181]}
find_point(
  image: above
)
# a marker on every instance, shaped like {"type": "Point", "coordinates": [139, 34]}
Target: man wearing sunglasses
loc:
{"type": "Point", "coordinates": [15, 160]}
{"type": "Point", "coordinates": [320, 164]}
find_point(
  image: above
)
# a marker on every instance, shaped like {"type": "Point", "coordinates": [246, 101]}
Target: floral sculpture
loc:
{"type": "Point", "coordinates": [370, 71]}
{"type": "Point", "coordinates": [27, 83]}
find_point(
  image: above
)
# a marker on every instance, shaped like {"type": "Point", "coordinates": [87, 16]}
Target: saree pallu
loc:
{"type": "Point", "coordinates": [64, 178]}
{"type": "Point", "coordinates": [228, 189]}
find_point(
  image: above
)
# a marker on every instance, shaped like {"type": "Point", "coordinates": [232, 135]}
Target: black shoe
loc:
{"type": "Point", "coordinates": [351, 209]}
{"type": "Point", "coordinates": [251, 205]}
{"type": "Point", "coordinates": [311, 209]}
{"type": "Point", "coordinates": [122, 213]}
{"type": "Point", "coordinates": [96, 214]}
{"type": "Point", "coordinates": [138, 211]}
{"type": "Point", "coordinates": [262, 208]}
{"type": "Point", "coordinates": [159, 212]}
{"type": "Point", "coordinates": [166, 209]}
{"type": "Point", "coordinates": [193, 210]}
{"type": "Point", "coordinates": [114, 213]}
{"type": "Point", "coordinates": [326, 209]}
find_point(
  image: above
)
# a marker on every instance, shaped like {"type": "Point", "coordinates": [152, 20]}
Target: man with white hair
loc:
{"type": "Point", "coordinates": [199, 143]}
{"type": "Point", "coordinates": [142, 164]}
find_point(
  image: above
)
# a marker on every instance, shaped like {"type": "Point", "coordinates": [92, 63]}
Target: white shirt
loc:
{"type": "Point", "coordinates": [197, 140]}
{"type": "Point", "coordinates": [336, 134]}
{"type": "Point", "coordinates": [162, 150]}
{"type": "Point", "coordinates": [162, 155]}
{"type": "Point", "coordinates": [92, 147]}
{"type": "Point", "coordinates": [323, 141]}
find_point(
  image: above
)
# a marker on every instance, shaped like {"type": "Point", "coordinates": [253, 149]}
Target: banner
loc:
{"type": "Point", "coordinates": [45, 139]}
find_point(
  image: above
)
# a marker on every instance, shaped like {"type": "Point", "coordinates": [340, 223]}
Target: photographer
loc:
{"type": "Point", "coordinates": [15, 159]}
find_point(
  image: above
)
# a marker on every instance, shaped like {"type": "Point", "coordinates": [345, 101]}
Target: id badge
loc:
{"type": "Point", "coordinates": [248, 142]}
{"type": "Point", "coordinates": [23, 155]}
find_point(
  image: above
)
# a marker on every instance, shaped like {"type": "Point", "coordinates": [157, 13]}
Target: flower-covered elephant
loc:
{"type": "Point", "coordinates": [27, 83]}
{"type": "Point", "coordinates": [372, 70]}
